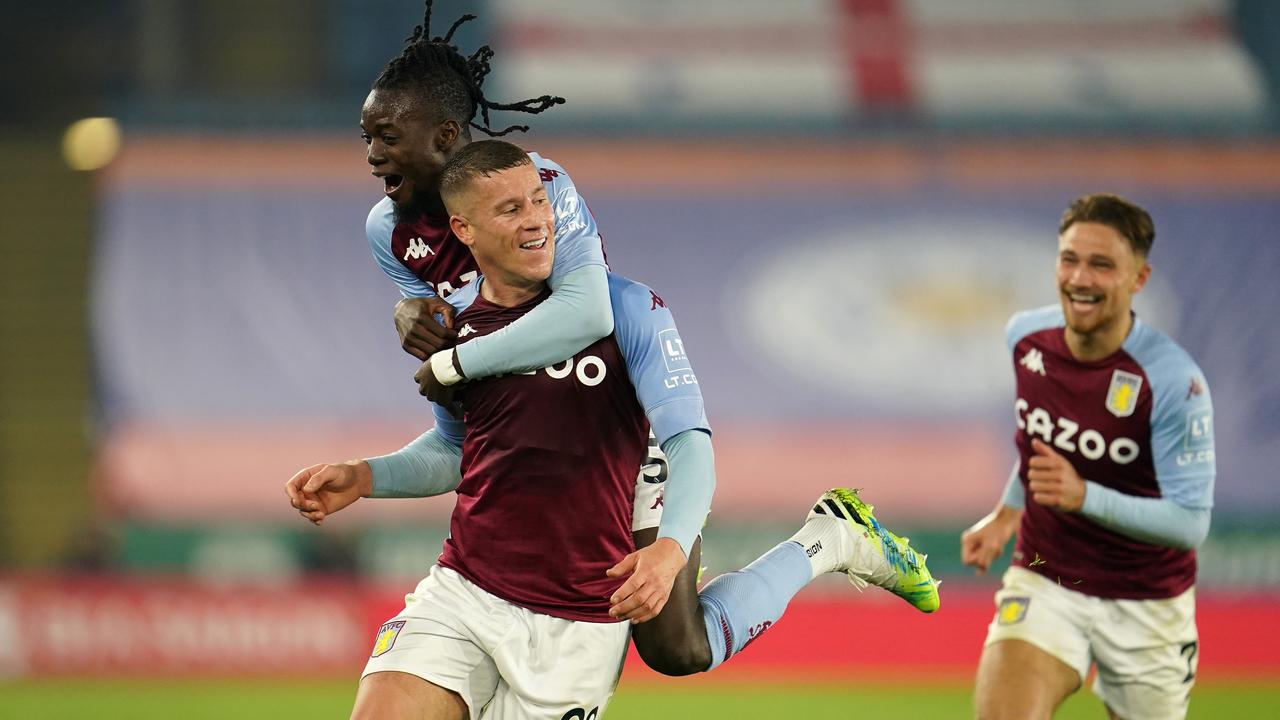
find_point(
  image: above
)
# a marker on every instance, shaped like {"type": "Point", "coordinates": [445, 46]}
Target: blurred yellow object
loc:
{"type": "Point", "coordinates": [91, 143]}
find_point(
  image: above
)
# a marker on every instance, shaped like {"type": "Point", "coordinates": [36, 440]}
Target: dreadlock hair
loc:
{"type": "Point", "coordinates": [439, 73]}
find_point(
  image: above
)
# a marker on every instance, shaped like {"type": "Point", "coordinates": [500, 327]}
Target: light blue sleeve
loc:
{"type": "Point", "coordinates": [378, 228]}
{"type": "Point", "coordinates": [1015, 496]}
{"type": "Point", "coordinates": [428, 466]}
{"type": "Point", "coordinates": [668, 391]}
{"type": "Point", "coordinates": [1028, 321]}
{"type": "Point", "coordinates": [576, 314]}
{"type": "Point", "coordinates": [1182, 445]}
{"type": "Point", "coordinates": [578, 242]}
{"type": "Point", "coordinates": [691, 483]}
{"type": "Point", "coordinates": [656, 360]}
{"type": "Point", "coordinates": [1155, 520]}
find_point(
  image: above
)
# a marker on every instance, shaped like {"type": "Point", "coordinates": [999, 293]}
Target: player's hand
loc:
{"type": "Point", "coordinates": [1052, 480]}
{"type": "Point", "coordinates": [430, 387]}
{"type": "Point", "coordinates": [652, 570]}
{"type": "Point", "coordinates": [981, 544]}
{"type": "Point", "coordinates": [421, 334]}
{"type": "Point", "coordinates": [321, 490]}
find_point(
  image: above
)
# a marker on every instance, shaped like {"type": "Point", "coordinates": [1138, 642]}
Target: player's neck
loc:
{"type": "Point", "coordinates": [509, 293]}
{"type": "Point", "coordinates": [1101, 342]}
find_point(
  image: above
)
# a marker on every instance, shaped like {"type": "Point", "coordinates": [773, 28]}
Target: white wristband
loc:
{"type": "Point", "coordinates": [442, 368]}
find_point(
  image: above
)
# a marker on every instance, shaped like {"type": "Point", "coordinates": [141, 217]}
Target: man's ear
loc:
{"type": "Point", "coordinates": [447, 134]}
{"type": "Point", "coordinates": [461, 227]}
{"type": "Point", "coordinates": [1144, 274]}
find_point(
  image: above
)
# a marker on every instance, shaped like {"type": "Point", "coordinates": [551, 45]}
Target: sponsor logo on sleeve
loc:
{"type": "Point", "coordinates": [568, 219]}
{"type": "Point", "coordinates": [1122, 396]}
{"type": "Point", "coordinates": [673, 350]}
{"type": "Point", "coordinates": [1197, 439]}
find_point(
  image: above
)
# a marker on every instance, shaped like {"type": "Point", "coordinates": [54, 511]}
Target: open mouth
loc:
{"type": "Point", "coordinates": [392, 183]}
{"type": "Point", "coordinates": [1083, 302]}
{"type": "Point", "coordinates": [534, 244]}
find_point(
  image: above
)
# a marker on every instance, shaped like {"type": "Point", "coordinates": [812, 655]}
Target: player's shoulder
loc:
{"type": "Point", "coordinates": [1026, 322]}
{"type": "Point", "coordinates": [636, 304]}
{"type": "Point", "coordinates": [1163, 360]}
{"type": "Point", "coordinates": [465, 296]}
{"type": "Point", "coordinates": [381, 222]}
{"type": "Point", "coordinates": [551, 172]}
{"type": "Point", "coordinates": [624, 289]}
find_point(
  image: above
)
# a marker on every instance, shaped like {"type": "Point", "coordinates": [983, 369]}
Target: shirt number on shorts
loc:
{"type": "Point", "coordinates": [1189, 652]}
{"type": "Point", "coordinates": [580, 714]}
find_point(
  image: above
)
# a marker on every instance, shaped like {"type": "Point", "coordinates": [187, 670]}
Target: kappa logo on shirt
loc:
{"type": "Point", "coordinates": [466, 330]}
{"type": "Point", "coordinates": [1033, 361]}
{"type": "Point", "coordinates": [418, 249]}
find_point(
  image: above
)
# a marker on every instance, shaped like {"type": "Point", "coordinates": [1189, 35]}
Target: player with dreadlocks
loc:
{"type": "Point", "coordinates": [415, 119]}
{"type": "Point", "coordinates": [417, 116]}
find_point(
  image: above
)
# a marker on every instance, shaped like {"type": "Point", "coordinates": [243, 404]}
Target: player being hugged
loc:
{"type": "Point", "coordinates": [1111, 494]}
{"type": "Point", "coordinates": [524, 614]}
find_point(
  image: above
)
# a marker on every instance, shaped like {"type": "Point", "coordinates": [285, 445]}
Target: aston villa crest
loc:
{"type": "Point", "coordinates": [1122, 396]}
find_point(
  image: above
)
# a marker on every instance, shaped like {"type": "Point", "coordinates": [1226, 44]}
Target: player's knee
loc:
{"type": "Point", "coordinates": [676, 660]}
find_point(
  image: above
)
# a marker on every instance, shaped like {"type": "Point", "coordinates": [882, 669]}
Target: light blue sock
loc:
{"type": "Point", "coordinates": [739, 606]}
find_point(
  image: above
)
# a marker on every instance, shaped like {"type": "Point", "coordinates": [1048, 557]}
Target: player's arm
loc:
{"type": "Point", "coordinates": [423, 320]}
{"type": "Point", "coordinates": [1158, 521]}
{"type": "Point", "coordinates": [668, 391]}
{"type": "Point", "coordinates": [578, 312]}
{"type": "Point", "coordinates": [982, 543]}
{"type": "Point", "coordinates": [427, 466]}
{"type": "Point", "coordinates": [1182, 447]}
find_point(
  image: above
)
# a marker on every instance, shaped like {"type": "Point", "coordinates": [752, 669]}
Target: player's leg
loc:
{"type": "Point", "coordinates": [675, 642]}
{"type": "Point", "coordinates": [839, 535]}
{"type": "Point", "coordinates": [1017, 680]}
{"type": "Point", "coordinates": [429, 661]}
{"type": "Point", "coordinates": [1037, 650]}
{"type": "Point", "coordinates": [398, 695]}
{"type": "Point", "coordinates": [1147, 653]}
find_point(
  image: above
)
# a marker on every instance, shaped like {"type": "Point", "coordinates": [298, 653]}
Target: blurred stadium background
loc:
{"type": "Point", "coordinates": [842, 200]}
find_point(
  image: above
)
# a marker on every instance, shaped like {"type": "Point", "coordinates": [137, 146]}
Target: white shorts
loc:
{"type": "Point", "coordinates": [507, 663]}
{"type": "Point", "coordinates": [649, 484]}
{"type": "Point", "coordinates": [1146, 651]}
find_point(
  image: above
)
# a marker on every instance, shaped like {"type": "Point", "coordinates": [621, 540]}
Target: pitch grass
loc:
{"type": "Point", "coordinates": [323, 700]}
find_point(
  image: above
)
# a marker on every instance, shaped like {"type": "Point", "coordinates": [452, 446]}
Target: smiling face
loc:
{"type": "Point", "coordinates": [505, 217]}
{"type": "Point", "coordinates": [1098, 274]}
{"type": "Point", "coordinates": [408, 148]}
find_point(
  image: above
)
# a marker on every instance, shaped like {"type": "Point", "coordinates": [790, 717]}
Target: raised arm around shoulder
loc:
{"type": "Point", "coordinates": [577, 313]}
